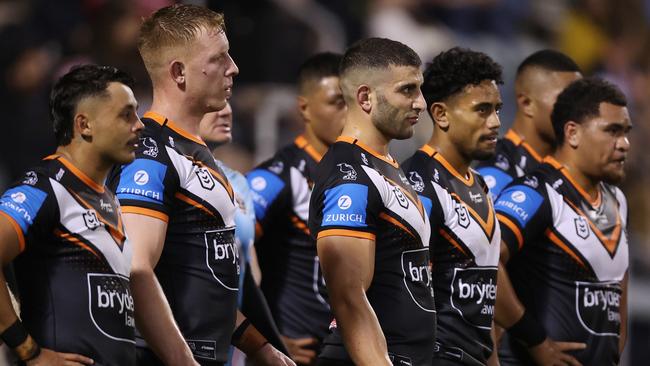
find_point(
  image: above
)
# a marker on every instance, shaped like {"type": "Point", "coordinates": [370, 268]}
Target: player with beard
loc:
{"type": "Point", "coordinates": [539, 79]}
{"type": "Point", "coordinates": [65, 231]}
{"type": "Point", "coordinates": [371, 229]}
{"type": "Point", "coordinates": [178, 205]}
{"type": "Point", "coordinates": [460, 87]}
{"type": "Point", "coordinates": [565, 224]}
{"type": "Point", "coordinates": [281, 188]}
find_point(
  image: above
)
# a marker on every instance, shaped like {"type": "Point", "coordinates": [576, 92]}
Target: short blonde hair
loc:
{"type": "Point", "coordinates": [174, 26]}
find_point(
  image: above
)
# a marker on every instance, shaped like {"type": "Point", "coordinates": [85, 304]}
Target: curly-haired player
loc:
{"type": "Point", "coordinates": [460, 87]}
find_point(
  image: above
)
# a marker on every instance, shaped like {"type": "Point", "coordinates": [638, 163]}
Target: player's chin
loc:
{"type": "Point", "coordinates": [125, 157]}
{"type": "Point", "coordinates": [484, 154]}
{"type": "Point", "coordinates": [404, 133]}
{"type": "Point", "coordinates": [614, 176]}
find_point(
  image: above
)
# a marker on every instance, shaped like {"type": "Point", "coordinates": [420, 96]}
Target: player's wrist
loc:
{"type": "Point", "coordinates": [16, 337]}
{"type": "Point", "coordinates": [528, 330]}
{"type": "Point", "coordinates": [247, 338]}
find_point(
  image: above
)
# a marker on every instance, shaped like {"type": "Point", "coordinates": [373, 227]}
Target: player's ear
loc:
{"type": "Point", "coordinates": [303, 108]}
{"type": "Point", "coordinates": [439, 115]}
{"type": "Point", "coordinates": [572, 134]}
{"type": "Point", "coordinates": [177, 72]}
{"type": "Point", "coordinates": [82, 126]}
{"type": "Point", "coordinates": [525, 104]}
{"type": "Point", "coordinates": [363, 98]}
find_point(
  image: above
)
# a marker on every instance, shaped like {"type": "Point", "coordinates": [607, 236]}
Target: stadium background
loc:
{"type": "Point", "coordinates": [41, 39]}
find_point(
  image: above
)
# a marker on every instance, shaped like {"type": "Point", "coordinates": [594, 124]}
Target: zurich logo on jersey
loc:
{"type": "Point", "coordinates": [141, 177]}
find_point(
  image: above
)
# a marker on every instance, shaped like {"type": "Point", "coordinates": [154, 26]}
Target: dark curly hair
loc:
{"type": "Point", "coordinates": [81, 82]}
{"type": "Point", "coordinates": [581, 100]}
{"type": "Point", "coordinates": [452, 70]}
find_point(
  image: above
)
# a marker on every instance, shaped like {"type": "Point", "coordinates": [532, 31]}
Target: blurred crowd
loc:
{"type": "Point", "coordinates": [269, 39]}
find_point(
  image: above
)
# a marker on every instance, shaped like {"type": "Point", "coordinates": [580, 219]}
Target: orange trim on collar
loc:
{"type": "Point", "coordinates": [79, 174]}
{"type": "Point", "coordinates": [355, 141]}
{"type": "Point", "coordinates": [160, 119]}
{"type": "Point", "coordinates": [302, 143]}
{"type": "Point", "coordinates": [516, 139]}
{"type": "Point", "coordinates": [594, 202]}
{"type": "Point", "coordinates": [441, 159]}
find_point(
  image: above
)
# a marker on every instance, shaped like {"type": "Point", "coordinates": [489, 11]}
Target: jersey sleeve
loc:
{"type": "Point", "coordinates": [25, 204]}
{"type": "Point", "coordinates": [269, 192]}
{"type": "Point", "coordinates": [495, 179]}
{"type": "Point", "coordinates": [523, 213]}
{"type": "Point", "coordinates": [146, 186]}
{"type": "Point", "coordinates": [342, 206]}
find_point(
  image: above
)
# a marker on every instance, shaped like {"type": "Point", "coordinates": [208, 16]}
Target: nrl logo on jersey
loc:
{"type": "Point", "coordinates": [151, 145]}
{"type": "Point", "coordinates": [401, 198]}
{"type": "Point", "coordinates": [205, 178]}
{"type": "Point", "coordinates": [30, 178]}
{"type": "Point", "coordinates": [582, 227]}
{"type": "Point", "coordinates": [91, 220]}
{"type": "Point", "coordinates": [348, 171]}
{"type": "Point", "coordinates": [416, 181]}
{"type": "Point", "coordinates": [463, 215]}
{"type": "Point", "coordinates": [502, 162]}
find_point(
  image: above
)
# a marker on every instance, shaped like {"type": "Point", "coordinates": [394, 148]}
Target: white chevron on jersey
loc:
{"type": "Point", "coordinates": [72, 218]}
{"type": "Point", "coordinates": [301, 193]}
{"type": "Point", "coordinates": [606, 267]}
{"type": "Point", "coordinates": [485, 250]}
{"type": "Point", "coordinates": [201, 182]}
{"type": "Point", "coordinates": [394, 198]}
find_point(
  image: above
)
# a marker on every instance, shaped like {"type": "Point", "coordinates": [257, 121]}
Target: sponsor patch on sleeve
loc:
{"type": "Point", "coordinates": [519, 202]}
{"type": "Point", "coordinates": [22, 203]}
{"type": "Point", "coordinates": [345, 205]}
{"type": "Point", "coordinates": [265, 188]}
{"type": "Point", "coordinates": [496, 179]}
{"type": "Point", "coordinates": [142, 180]}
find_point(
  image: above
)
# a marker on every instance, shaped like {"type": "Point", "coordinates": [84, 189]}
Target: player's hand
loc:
{"type": "Point", "coordinates": [48, 357]}
{"type": "Point", "coordinates": [270, 356]}
{"type": "Point", "coordinates": [301, 350]}
{"type": "Point", "coordinates": [552, 353]}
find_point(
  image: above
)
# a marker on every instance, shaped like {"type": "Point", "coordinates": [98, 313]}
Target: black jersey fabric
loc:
{"type": "Point", "coordinates": [359, 193]}
{"type": "Point", "coordinates": [570, 254]}
{"type": "Point", "coordinates": [291, 278]}
{"type": "Point", "coordinates": [176, 179]}
{"type": "Point", "coordinates": [514, 157]}
{"type": "Point", "coordinates": [464, 247]}
{"type": "Point", "coordinates": [73, 272]}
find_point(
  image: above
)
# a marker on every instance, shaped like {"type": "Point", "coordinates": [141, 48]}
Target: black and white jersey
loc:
{"type": "Point", "coordinates": [464, 247]}
{"type": "Point", "coordinates": [73, 272]}
{"type": "Point", "coordinates": [514, 157]}
{"type": "Point", "coordinates": [360, 194]}
{"type": "Point", "coordinates": [569, 257]}
{"type": "Point", "coordinates": [291, 278]}
{"type": "Point", "coordinates": [176, 179]}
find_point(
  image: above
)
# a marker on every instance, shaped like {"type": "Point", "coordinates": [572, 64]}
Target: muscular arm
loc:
{"type": "Point", "coordinates": [623, 312]}
{"type": "Point", "coordinates": [152, 313]}
{"type": "Point", "coordinates": [348, 267]}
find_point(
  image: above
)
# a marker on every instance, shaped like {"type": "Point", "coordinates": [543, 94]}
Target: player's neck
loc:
{"type": "Point", "coordinates": [526, 130]}
{"type": "Point", "coordinates": [367, 133]}
{"type": "Point", "coordinates": [570, 160]}
{"type": "Point", "coordinates": [450, 152]}
{"type": "Point", "coordinates": [319, 145]}
{"type": "Point", "coordinates": [184, 118]}
{"type": "Point", "coordinates": [86, 160]}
